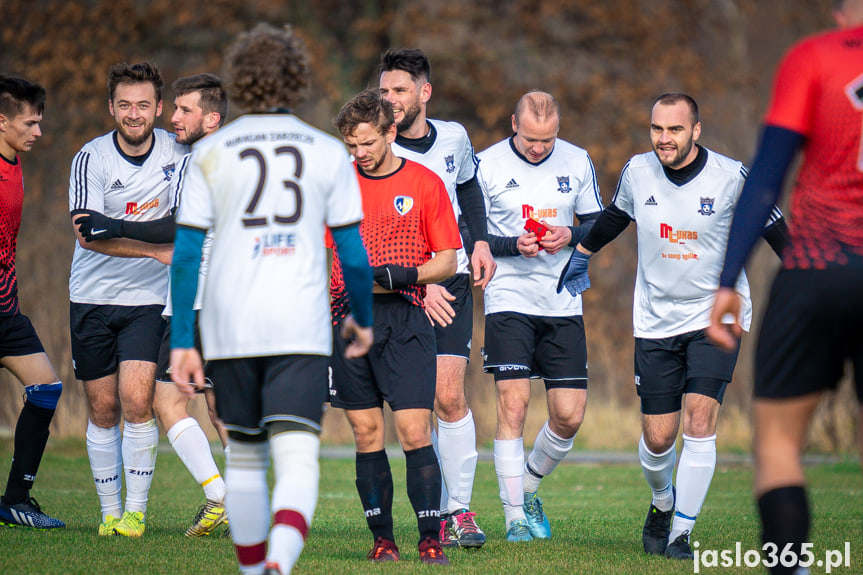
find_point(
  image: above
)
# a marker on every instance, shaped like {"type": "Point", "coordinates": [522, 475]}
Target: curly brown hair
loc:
{"type": "Point", "coordinates": [267, 68]}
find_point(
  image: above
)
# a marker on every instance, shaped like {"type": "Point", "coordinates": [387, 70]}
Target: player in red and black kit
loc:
{"type": "Point", "coordinates": [21, 352]}
{"type": "Point", "coordinates": [407, 216]}
{"type": "Point", "coordinates": [814, 319]}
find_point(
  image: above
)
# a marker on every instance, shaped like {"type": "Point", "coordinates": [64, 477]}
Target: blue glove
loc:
{"type": "Point", "coordinates": [574, 275]}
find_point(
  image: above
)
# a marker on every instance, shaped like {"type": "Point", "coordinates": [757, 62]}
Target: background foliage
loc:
{"type": "Point", "coordinates": [604, 61]}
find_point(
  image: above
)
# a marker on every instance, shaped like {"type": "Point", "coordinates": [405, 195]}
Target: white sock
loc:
{"type": "Point", "coordinates": [140, 444]}
{"type": "Point", "coordinates": [191, 446]}
{"type": "Point", "coordinates": [658, 470]}
{"type": "Point", "coordinates": [458, 456]}
{"type": "Point", "coordinates": [295, 495]}
{"type": "Point", "coordinates": [549, 449]}
{"type": "Point", "coordinates": [509, 466]}
{"type": "Point", "coordinates": [694, 474]}
{"type": "Point", "coordinates": [106, 463]}
{"type": "Point", "coordinates": [444, 494]}
{"type": "Point", "coordinates": [248, 503]}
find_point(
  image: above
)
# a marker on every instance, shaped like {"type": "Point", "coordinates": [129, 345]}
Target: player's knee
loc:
{"type": "Point", "coordinates": [659, 441]}
{"type": "Point", "coordinates": [45, 396]}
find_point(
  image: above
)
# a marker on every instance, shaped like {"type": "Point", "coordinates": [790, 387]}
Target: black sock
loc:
{"type": "Point", "coordinates": [31, 436]}
{"type": "Point", "coordinates": [784, 519]}
{"type": "Point", "coordinates": [424, 489]}
{"type": "Point", "coordinates": [375, 486]}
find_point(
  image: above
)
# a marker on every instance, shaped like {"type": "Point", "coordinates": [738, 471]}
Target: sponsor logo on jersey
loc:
{"type": "Point", "coordinates": [117, 185]}
{"type": "Point", "coordinates": [512, 184]}
{"type": "Point", "coordinates": [403, 204]}
{"type": "Point", "coordinates": [707, 207]}
{"type": "Point", "coordinates": [134, 208]}
{"type": "Point", "coordinates": [450, 164]}
{"type": "Point", "coordinates": [563, 184]}
{"type": "Point", "coordinates": [650, 202]}
{"type": "Point", "coordinates": [274, 244]}
{"type": "Point", "coordinates": [528, 211]}
{"type": "Point", "coordinates": [168, 170]}
{"type": "Point", "coordinates": [666, 232]}
{"type": "Point", "coordinates": [3, 178]}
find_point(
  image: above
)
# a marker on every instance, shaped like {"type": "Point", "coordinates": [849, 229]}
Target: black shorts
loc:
{"type": "Point", "coordinates": [18, 336]}
{"type": "Point", "coordinates": [105, 335]}
{"type": "Point", "coordinates": [255, 391]}
{"type": "Point", "coordinates": [163, 366]}
{"type": "Point", "coordinates": [812, 326]}
{"type": "Point", "coordinates": [455, 339]}
{"type": "Point", "coordinates": [521, 346]}
{"type": "Point", "coordinates": [400, 368]}
{"type": "Point", "coordinates": [668, 367]}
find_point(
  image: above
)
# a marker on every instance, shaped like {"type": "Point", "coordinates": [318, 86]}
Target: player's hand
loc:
{"type": "Point", "coordinates": [726, 336]}
{"type": "Point", "coordinates": [163, 253]}
{"type": "Point", "coordinates": [393, 276]}
{"type": "Point", "coordinates": [361, 338]}
{"type": "Point", "coordinates": [574, 276]}
{"type": "Point", "coordinates": [187, 370]}
{"type": "Point", "coordinates": [528, 246]}
{"type": "Point", "coordinates": [95, 226]}
{"type": "Point", "coordinates": [482, 263]}
{"type": "Point", "coordinates": [437, 306]}
{"type": "Point", "coordinates": [556, 238]}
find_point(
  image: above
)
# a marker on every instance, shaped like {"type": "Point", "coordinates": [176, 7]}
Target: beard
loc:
{"type": "Point", "coordinates": [192, 136]}
{"type": "Point", "coordinates": [675, 161]}
{"type": "Point", "coordinates": [410, 115]}
{"type": "Point", "coordinates": [136, 140]}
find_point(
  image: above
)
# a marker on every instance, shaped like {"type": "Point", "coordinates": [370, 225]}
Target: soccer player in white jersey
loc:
{"type": "Point", "coordinates": [682, 197]}
{"type": "Point", "coordinates": [531, 331]}
{"type": "Point", "coordinates": [444, 148]}
{"type": "Point", "coordinates": [267, 185]}
{"type": "Point", "coordinates": [200, 108]}
{"type": "Point", "coordinates": [117, 290]}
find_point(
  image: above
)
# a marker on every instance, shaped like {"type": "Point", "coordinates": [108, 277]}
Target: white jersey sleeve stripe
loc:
{"type": "Point", "coordinates": [595, 184]}
{"type": "Point", "coordinates": [181, 179]}
{"type": "Point", "coordinates": [619, 181]}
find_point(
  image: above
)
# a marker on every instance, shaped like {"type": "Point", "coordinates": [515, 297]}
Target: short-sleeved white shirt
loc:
{"type": "Point", "coordinates": [104, 181]}
{"type": "Point", "coordinates": [682, 234]}
{"type": "Point", "coordinates": [267, 186]}
{"type": "Point", "coordinates": [451, 157]}
{"type": "Point", "coordinates": [561, 186]}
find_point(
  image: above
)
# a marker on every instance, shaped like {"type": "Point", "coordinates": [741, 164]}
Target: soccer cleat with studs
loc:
{"type": "Point", "coordinates": [28, 513]}
{"type": "Point", "coordinates": [210, 515]}
{"type": "Point", "coordinates": [431, 552]}
{"type": "Point", "coordinates": [383, 551]}
{"type": "Point", "coordinates": [657, 526]}
{"type": "Point", "coordinates": [106, 528]}
{"type": "Point", "coordinates": [131, 524]}
{"type": "Point", "coordinates": [537, 521]}
{"type": "Point", "coordinates": [518, 531]}
{"type": "Point", "coordinates": [461, 530]}
{"type": "Point", "coordinates": [272, 568]}
{"type": "Point", "coordinates": [679, 548]}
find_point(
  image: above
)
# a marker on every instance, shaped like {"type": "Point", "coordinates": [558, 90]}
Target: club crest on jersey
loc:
{"type": "Point", "coordinates": [563, 184]}
{"type": "Point", "coordinates": [168, 170]}
{"type": "Point", "coordinates": [707, 207]}
{"type": "Point", "coordinates": [403, 204]}
{"type": "Point", "coordinates": [450, 164]}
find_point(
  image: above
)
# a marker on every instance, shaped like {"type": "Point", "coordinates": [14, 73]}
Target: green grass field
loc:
{"type": "Point", "coordinates": [596, 513]}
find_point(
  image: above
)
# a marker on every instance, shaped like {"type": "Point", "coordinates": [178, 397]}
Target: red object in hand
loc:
{"type": "Point", "coordinates": [531, 225]}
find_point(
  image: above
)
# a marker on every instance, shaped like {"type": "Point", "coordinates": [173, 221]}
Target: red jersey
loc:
{"type": "Point", "coordinates": [818, 93]}
{"type": "Point", "coordinates": [407, 216]}
{"type": "Point", "coordinates": [11, 200]}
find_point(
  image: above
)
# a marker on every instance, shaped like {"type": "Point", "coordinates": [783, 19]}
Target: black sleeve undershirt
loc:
{"type": "Point", "coordinates": [610, 224]}
{"type": "Point", "coordinates": [472, 207]}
